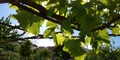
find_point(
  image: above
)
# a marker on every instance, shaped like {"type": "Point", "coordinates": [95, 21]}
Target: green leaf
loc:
{"type": "Point", "coordinates": [47, 32]}
{"type": "Point", "coordinates": [50, 10]}
{"type": "Point", "coordinates": [52, 1]}
{"type": "Point", "coordinates": [116, 30]}
{"type": "Point", "coordinates": [82, 36]}
{"type": "Point", "coordinates": [82, 57]}
{"type": "Point", "coordinates": [88, 40]}
{"type": "Point", "coordinates": [105, 1]}
{"type": "Point", "coordinates": [25, 49]}
{"type": "Point", "coordinates": [87, 22]}
{"type": "Point", "coordinates": [51, 25]}
{"type": "Point", "coordinates": [51, 31]}
{"type": "Point", "coordinates": [73, 47]}
{"type": "Point", "coordinates": [53, 34]}
{"type": "Point", "coordinates": [66, 28]}
{"type": "Point", "coordinates": [60, 39]}
{"type": "Point", "coordinates": [91, 55]}
{"type": "Point", "coordinates": [34, 28]}
{"type": "Point", "coordinates": [95, 44]}
{"type": "Point", "coordinates": [104, 34]}
{"type": "Point", "coordinates": [13, 7]}
{"type": "Point", "coordinates": [29, 21]}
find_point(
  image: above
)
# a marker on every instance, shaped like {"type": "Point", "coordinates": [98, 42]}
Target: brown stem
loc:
{"type": "Point", "coordinates": [107, 25]}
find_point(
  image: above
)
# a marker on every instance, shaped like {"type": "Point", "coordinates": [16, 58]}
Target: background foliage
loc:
{"type": "Point", "coordinates": [94, 19]}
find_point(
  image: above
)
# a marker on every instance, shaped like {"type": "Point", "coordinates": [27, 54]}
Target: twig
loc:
{"type": "Point", "coordinates": [107, 25]}
{"type": "Point", "coordinates": [113, 35]}
{"type": "Point", "coordinates": [14, 27]}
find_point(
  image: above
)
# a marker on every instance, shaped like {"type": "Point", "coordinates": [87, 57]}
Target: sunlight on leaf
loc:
{"type": "Point", "coordinates": [51, 25]}
{"type": "Point", "coordinates": [82, 57]}
{"type": "Point", "coordinates": [29, 21]}
{"type": "Point", "coordinates": [104, 34]}
{"type": "Point", "coordinates": [116, 30]}
{"type": "Point", "coordinates": [47, 32]}
{"type": "Point", "coordinates": [60, 39]}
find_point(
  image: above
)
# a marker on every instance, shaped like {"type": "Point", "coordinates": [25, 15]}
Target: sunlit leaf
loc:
{"type": "Point", "coordinates": [82, 57]}
{"type": "Point", "coordinates": [34, 28]}
{"type": "Point", "coordinates": [88, 40]}
{"type": "Point", "coordinates": [53, 34]}
{"type": "Point", "coordinates": [29, 21]}
{"type": "Point", "coordinates": [105, 1]}
{"type": "Point", "coordinates": [13, 7]}
{"type": "Point", "coordinates": [47, 32]}
{"type": "Point", "coordinates": [104, 34]}
{"type": "Point", "coordinates": [116, 30]}
{"type": "Point", "coordinates": [51, 24]}
{"type": "Point", "coordinates": [60, 39]}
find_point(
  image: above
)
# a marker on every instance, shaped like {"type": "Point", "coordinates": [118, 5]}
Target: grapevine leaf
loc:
{"type": "Point", "coordinates": [87, 23]}
{"type": "Point", "coordinates": [104, 35]}
{"type": "Point", "coordinates": [34, 28]}
{"type": "Point", "coordinates": [105, 1]}
{"type": "Point", "coordinates": [95, 44]}
{"type": "Point", "coordinates": [91, 55]}
{"type": "Point", "coordinates": [13, 7]}
{"type": "Point", "coordinates": [53, 34]}
{"type": "Point", "coordinates": [82, 57]}
{"type": "Point", "coordinates": [51, 25]}
{"type": "Point", "coordinates": [66, 28]}
{"type": "Point", "coordinates": [29, 21]}
{"type": "Point", "coordinates": [73, 47]}
{"type": "Point", "coordinates": [116, 30]}
{"type": "Point", "coordinates": [47, 32]}
{"type": "Point", "coordinates": [82, 36]}
{"type": "Point", "coordinates": [88, 40]}
{"type": "Point", "coordinates": [51, 31]}
{"type": "Point", "coordinates": [60, 39]}
{"type": "Point", "coordinates": [53, 1]}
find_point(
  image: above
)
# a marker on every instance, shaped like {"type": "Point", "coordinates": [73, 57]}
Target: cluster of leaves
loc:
{"type": "Point", "coordinates": [93, 19]}
{"type": "Point", "coordinates": [43, 54]}
{"type": "Point", "coordinates": [106, 53]}
{"type": "Point", "coordinates": [8, 55]}
{"type": "Point", "coordinates": [8, 41]}
{"type": "Point", "coordinates": [25, 49]}
{"type": "Point", "coordinates": [7, 34]}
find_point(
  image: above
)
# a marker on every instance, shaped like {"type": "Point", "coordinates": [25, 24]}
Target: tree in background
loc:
{"type": "Point", "coordinates": [105, 53]}
{"type": "Point", "coordinates": [109, 53]}
{"type": "Point", "coordinates": [43, 54]}
{"type": "Point", "coordinates": [94, 19]}
{"type": "Point", "coordinates": [7, 34]}
{"type": "Point", "coordinates": [8, 41]}
{"type": "Point", "coordinates": [25, 49]}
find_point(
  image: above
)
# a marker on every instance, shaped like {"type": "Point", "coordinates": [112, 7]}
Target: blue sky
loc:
{"type": "Point", "coordinates": [6, 11]}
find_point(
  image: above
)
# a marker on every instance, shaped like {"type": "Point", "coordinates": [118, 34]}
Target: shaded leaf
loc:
{"type": "Point", "coordinates": [73, 47]}
{"type": "Point", "coordinates": [66, 28]}
{"type": "Point", "coordinates": [51, 25]}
